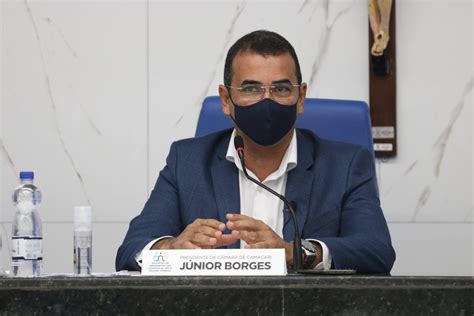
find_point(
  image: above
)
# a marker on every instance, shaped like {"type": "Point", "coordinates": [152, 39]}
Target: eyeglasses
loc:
{"type": "Point", "coordinates": [284, 92]}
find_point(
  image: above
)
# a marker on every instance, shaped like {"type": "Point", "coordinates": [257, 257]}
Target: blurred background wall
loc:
{"type": "Point", "coordinates": [94, 92]}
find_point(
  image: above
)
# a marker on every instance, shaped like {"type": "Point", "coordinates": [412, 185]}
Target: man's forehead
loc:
{"type": "Point", "coordinates": [247, 60]}
{"type": "Point", "coordinates": [251, 53]}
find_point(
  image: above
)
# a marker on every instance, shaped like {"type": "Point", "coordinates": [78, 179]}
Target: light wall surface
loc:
{"type": "Point", "coordinates": [94, 92]}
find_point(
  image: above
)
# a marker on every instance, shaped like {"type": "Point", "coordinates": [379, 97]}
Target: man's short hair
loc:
{"type": "Point", "coordinates": [261, 42]}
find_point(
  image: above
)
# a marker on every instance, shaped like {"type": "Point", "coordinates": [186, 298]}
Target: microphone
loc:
{"type": "Point", "coordinates": [297, 256]}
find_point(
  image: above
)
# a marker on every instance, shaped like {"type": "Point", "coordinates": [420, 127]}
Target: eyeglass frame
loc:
{"type": "Point", "coordinates": [264, 89]}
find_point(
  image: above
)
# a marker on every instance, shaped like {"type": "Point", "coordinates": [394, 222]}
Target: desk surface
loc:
{"type": "Point", "coordinates": [303, 294]}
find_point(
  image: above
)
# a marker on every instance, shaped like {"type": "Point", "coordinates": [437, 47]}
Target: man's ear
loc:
{"type": "Point", "coordinates": [301, 99]}
{"type": "Point", "coordinates": [225, 99]}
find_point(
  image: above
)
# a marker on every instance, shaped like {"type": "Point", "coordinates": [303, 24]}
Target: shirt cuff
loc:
{"type": "Point", "coordinates": [325, 264]}
{"type": "Point", "coordinates": [138, 256]}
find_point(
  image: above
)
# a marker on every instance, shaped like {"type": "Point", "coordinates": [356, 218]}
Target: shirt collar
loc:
{"type": "Point", "coordinates": [288, 162]}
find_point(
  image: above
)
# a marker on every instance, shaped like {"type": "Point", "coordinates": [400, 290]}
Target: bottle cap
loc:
{"type": "Point", "coordinates": [82, 215]}
{"type": "Point", "coordinates": [27, 175]}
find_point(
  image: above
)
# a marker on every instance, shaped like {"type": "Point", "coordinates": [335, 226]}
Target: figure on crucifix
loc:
{"type": "Point", "coordinates": [379, 17]}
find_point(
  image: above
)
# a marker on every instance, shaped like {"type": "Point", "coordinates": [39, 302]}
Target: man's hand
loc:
{"type": "Point", "coordinates": [257, 234]}
{"type": "Point", "coordinates": [201, 234]}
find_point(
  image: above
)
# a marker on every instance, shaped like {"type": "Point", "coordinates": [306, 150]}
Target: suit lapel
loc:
{"type": "Point", "coordinates": [225, 181]}
{"type": "Point", "coordinates": [299, 186]}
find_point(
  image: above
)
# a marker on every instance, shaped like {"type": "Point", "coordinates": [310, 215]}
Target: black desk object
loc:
{"type": "Point", "coordinates": [290, 295]}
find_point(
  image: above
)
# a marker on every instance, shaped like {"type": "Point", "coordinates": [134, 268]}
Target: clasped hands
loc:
{"type": "Point", "coordinates": [209, 233]}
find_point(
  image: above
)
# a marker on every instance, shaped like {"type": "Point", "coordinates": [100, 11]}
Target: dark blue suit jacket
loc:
{"type": "Point", "coordinates": [334, 186]}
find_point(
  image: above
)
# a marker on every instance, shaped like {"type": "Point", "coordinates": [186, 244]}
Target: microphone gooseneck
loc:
{"type": "Point", "coordinates": [297, 256]}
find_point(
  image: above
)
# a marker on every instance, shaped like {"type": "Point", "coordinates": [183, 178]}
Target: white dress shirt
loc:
{"type": "Point", "coordinates": [258, 203]}
{"type": "Point", "coordinates": [261, 204]}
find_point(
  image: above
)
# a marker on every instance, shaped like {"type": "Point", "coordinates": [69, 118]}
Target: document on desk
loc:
{"type": "Point", "coordinates": [212, 262]}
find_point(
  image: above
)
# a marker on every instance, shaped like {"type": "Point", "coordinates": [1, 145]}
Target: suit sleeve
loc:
{"type": "Point", "coordinates": [159, 217]}
{"type": "Point", "coordinates": [364, 241]}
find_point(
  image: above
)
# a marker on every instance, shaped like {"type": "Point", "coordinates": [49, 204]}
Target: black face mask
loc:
{"type": "Point", "coordinates": [265, 122]}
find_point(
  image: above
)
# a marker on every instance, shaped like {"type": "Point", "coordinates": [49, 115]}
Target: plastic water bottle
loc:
{"type": "Point", "coordinates": [82, 241]}
{"type": "Point", "coordinates": [27, 237]}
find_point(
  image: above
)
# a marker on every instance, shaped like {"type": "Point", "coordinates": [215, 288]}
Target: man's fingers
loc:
{"type": "Point", "coordinates": [249, 236]}
{"type": "Point", "coordinates": [259, 245]}
{"type": "Point", "coordinates": [246, 224]}
{"type": "Point", "coordinates": [189, 245]}
{"type": "Point", "coordinates": [203, 240]}
{"type": "Point", "coordinates": [226, 240]}
{"type": "Point", "coordinates": [209, 231]}
{"type": "Point", "coordinates": [211, 223]}
{"type": "Point", "coordinates": [235, 217]}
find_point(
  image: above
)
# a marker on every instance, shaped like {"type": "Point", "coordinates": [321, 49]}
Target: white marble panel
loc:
{"type": "Point", "coordinates": [470, 217]}
{"type": "Point", "coordinates": [108, 237]}
{"type": "Point", "coordinates": [430, 180]}
{"type": "Point", "coordinates": [436, 249]}
{"type": "Point", "coordinates": [75, 105]}
{"type": "Point", "coordinates": [2, 237]}
{"type": "Point", "coordinates": [189, 42]}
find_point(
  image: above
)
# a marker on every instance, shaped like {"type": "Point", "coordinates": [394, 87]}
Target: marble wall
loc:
{"type": "Point", "coordinates": [75, 111]}
{"type": "Point", "coordinates": [94, 92]}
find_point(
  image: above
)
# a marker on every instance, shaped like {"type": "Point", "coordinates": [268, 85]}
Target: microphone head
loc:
{"type": "Point", "coordinates": [238, 143]}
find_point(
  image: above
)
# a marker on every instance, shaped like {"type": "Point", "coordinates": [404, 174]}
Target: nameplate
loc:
{"type": "Point", "coordinates": [214, 262]}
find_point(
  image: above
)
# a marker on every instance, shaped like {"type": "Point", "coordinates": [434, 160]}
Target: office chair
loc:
{"type": "Point", "coordinates": [340, 120]}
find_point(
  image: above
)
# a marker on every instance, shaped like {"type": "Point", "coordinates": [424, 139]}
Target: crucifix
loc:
{"type": "Point", "coordinates": [382, 79]}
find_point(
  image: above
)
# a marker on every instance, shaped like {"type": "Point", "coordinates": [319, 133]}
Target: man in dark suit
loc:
{"type": "Point", "coordinates": [202, 199]}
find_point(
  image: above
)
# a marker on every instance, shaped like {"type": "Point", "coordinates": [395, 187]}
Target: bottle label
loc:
{"type": "Point", "coordinates": [29, 248]}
